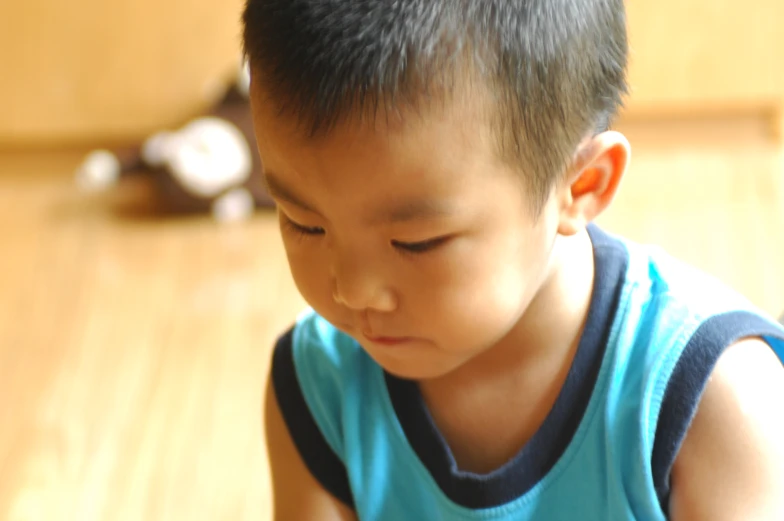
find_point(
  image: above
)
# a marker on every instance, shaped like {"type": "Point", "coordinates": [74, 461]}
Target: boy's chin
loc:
{"type": "Point", "coordinates": [414, 374]}
{"type": "Point", "coordinates": [413, 369]}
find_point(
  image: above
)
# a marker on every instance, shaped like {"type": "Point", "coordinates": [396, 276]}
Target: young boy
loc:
{"type": "Point", "coordinates": [476, 349]}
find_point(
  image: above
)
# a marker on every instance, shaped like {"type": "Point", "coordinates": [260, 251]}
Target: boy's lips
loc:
{"type": "Point", "coordinates": [387, 340]}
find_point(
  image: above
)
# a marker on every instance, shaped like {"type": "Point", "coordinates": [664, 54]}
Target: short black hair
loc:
{"type": "Point", "coordinates": [556, 68]}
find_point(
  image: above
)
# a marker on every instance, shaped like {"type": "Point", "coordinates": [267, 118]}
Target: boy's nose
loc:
{"type": "Point", "coordinates": [359, 289]}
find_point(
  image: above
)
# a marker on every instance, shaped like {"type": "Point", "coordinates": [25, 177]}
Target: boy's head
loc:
{"type": "Point", "coordinates": [424, 155]}
{"type": "Point", "coordinates": [552, 71]}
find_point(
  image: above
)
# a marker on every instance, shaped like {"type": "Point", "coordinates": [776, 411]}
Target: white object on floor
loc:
{"type": "Point", "coordinates": [100, 170]}
{"type": "Point", "coordinates": [235, 205]}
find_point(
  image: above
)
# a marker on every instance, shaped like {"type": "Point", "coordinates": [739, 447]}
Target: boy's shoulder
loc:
{"type": "Point", "coordinates": [315, 370]}
{"type": "Point", "coordinates": [663, 280]}
{"type": "Point", "coordinates": [320, 359]}
{"type": "Point", "coordinates": [667, 312]}
{"type": "Point", "coordinates": [315, 342]}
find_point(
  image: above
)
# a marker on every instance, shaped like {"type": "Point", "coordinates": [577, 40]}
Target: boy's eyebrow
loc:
{"type": "Point", "coordinates": [278, 190]}
{"type": "Point", "coordinates": [413, 210]}
{"type": "Point", "coordinates": [406, 211]}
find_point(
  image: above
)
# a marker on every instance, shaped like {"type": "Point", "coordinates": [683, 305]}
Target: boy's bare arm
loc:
{"type": "Point", "coordinates": [731, 464]}
{"type": "Point", "coordinates": [296, 493]}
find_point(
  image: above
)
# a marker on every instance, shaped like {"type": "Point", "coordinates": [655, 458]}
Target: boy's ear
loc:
{"type": "Point", "coordinates": [593, 180]}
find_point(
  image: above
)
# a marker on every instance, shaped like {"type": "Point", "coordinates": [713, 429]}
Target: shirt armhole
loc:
{"type": "Point", "coordinates": [687, 383]}
{"type": "Point", "coordinates": [318, 456]}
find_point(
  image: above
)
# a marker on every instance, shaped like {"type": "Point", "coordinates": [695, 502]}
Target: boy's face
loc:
{"type": "Point", "coordinates": [417, 241]}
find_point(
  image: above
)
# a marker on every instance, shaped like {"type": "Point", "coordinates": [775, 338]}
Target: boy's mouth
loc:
{"type": "Point", "coordinates": [387, 341]}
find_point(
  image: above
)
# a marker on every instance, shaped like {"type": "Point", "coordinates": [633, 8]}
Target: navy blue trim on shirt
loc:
{"type": "Point", "coordinates": [688, 381]}
{"type": "Point", "coordinates": [317, 455]}
{"type": "Point", "coordinates": [548, 444]}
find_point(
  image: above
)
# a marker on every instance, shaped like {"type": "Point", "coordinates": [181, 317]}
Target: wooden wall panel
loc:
{"type": "Point", "coordinates": [90, 70]}
{"type": "Point", "coordinates": [705, 55]}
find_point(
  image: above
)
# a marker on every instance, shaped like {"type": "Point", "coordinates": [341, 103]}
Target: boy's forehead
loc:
{"type": "Point", "coordinates": [393, 209]}
{"type": "Point", "coordinates": [415, 155]}
{"type": "Point", "coordinates": [411, 169]}
{"type": "Point", "coordinates": [462, 111]}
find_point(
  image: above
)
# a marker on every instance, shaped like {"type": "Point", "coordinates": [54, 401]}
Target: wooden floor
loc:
{"type": "Point", "coordinates": [133, 348]}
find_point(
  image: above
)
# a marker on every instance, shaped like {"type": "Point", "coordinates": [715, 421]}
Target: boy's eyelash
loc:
{"type": "Point", "coordinates": [405, 247]}
{"type": "Point", "coordinates": [302, 230]}
{"type": "Point", "coordinates": [419, 247]}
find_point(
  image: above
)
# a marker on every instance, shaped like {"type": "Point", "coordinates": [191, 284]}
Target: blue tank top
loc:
{"type": "Point", "coordinates": [654, 332]}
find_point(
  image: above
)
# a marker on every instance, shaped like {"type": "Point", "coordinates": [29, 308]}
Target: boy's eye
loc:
{"type": "Point", "coordinates": [302, 229]}
{"type": "Point", "coordinates": [420, 247]}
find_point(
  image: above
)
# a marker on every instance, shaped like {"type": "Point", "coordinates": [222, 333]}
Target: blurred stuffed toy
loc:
{"type": "Point", "coordinates": [211, 164]}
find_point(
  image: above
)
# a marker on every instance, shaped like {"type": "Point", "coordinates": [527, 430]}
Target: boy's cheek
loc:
{"type": "Point", "coordinates": [306, 274]}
